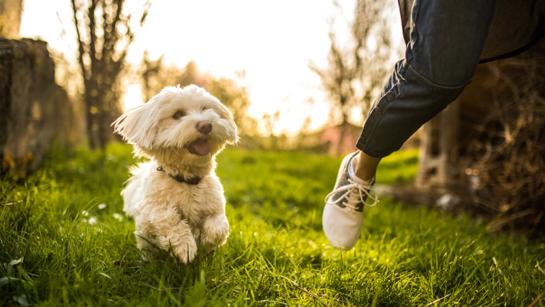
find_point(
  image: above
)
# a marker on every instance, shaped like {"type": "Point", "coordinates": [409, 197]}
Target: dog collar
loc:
{"type": "Point", "coordinates": [191, 180]}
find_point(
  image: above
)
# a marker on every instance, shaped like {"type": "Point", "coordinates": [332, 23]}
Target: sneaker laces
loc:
{"type": "Point", "coordinates": [363, 194]}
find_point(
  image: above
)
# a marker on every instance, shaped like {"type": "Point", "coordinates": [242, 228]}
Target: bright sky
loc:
{"type": "Point", "coordinates": [273, 42]}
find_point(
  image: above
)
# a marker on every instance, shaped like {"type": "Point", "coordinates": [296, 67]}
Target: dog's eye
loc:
{"type": "Point", "coordinates": [204, 108]}
{"type": "Point", "coordinates": [178, 114]}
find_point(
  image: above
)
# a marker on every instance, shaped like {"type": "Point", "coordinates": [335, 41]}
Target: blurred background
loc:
{"type": "Point", "coordinates": [297, 76]}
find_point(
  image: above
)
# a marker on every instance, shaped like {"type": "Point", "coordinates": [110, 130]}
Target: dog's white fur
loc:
{"type": "Point", "coordinates": [169, 214]}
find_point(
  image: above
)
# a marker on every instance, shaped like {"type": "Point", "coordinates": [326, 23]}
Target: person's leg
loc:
{"type": "Point", "coordinates": [446, 41]}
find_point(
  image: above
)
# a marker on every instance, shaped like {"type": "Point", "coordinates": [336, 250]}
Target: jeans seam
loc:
{"type": "Point", "coordinates": [415, 13]}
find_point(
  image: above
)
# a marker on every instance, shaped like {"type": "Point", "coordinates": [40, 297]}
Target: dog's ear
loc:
{"type": "Point", "coordinates": [232, 137]}
{"type": "Point", "coordinates": [136, 126]}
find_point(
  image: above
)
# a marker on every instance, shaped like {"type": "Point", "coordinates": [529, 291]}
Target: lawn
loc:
{"type": "Point", "coordinates": [65, 241]}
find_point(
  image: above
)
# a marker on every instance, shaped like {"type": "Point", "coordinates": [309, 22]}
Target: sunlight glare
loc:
{"type": "Point", "coordinates": [273, 42]}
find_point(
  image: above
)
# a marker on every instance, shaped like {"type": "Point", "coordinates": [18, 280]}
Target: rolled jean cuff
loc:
{"type": "Point", "coordinates": [408, 102]}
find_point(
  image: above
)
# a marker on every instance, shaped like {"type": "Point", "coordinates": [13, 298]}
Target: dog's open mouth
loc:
{"type": "Point", "coordinates": [199, 147]}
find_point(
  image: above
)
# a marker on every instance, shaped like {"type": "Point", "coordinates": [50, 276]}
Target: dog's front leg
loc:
{"type": "Point", "coordinates": [170, 232]}
{"type": "Point", "coordinates": [215, 230]}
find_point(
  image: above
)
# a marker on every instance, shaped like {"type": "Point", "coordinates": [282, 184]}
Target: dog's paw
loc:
{"type": "Point", "coordinates": [186, 251]}
{"type": "Point", "coordinates": [214, 232]}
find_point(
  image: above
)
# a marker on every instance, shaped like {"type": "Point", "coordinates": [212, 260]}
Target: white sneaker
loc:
{"type": "Point", "coordinates": [343, 211]}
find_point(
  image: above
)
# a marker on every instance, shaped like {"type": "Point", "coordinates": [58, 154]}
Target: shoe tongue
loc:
{"type": "Point", "coordinates": [200, 147]}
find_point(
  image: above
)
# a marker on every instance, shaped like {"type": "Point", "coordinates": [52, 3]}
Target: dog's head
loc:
{"type": "Point", "coordinates": [188, 120]}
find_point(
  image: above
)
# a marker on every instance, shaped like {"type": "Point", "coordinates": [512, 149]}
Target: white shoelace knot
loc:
{"type": "Point", "coordinates": [354, 192]}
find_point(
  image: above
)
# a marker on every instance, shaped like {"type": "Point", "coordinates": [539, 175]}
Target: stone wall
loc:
{"type": "Point", "coordinates": [35, 112]}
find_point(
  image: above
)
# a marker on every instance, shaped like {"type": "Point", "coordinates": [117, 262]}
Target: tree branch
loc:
{"type": "Point", "coordinates": [92, 36]}
{"type": "Point", "coordinates": [81, 49]}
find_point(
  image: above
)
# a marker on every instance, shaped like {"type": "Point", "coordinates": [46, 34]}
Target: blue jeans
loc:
{"type": "Point", "coordinates": [446, 40]}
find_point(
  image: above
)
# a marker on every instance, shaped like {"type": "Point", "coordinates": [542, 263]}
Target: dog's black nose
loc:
{"type": "Point", "coordinates": [204, 127]}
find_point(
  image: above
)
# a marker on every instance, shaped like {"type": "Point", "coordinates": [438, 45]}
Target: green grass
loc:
{"type": "Point", "coordinates": [52, 253]}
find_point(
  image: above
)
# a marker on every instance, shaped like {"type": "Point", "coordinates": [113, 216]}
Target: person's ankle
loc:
{"type": "Point", "coordinates": [365, 170]}
{"type": "Point", "coordinates": [352, 173]}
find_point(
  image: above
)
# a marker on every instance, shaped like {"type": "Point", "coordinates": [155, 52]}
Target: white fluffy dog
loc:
{"type": "Point", "coordinates": [176, 199]}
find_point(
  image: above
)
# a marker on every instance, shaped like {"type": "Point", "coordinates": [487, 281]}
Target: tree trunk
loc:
{"type": "Point", "coordinates": [10, 18]}
{"type": "Point", "coordinates": [343, 126]}
{"type": "Point", "coordinates": [34, 111]}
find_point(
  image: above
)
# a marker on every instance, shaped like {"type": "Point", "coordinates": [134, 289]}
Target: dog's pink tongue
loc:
{"type": "Point", "coordinates": [200, 147]}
